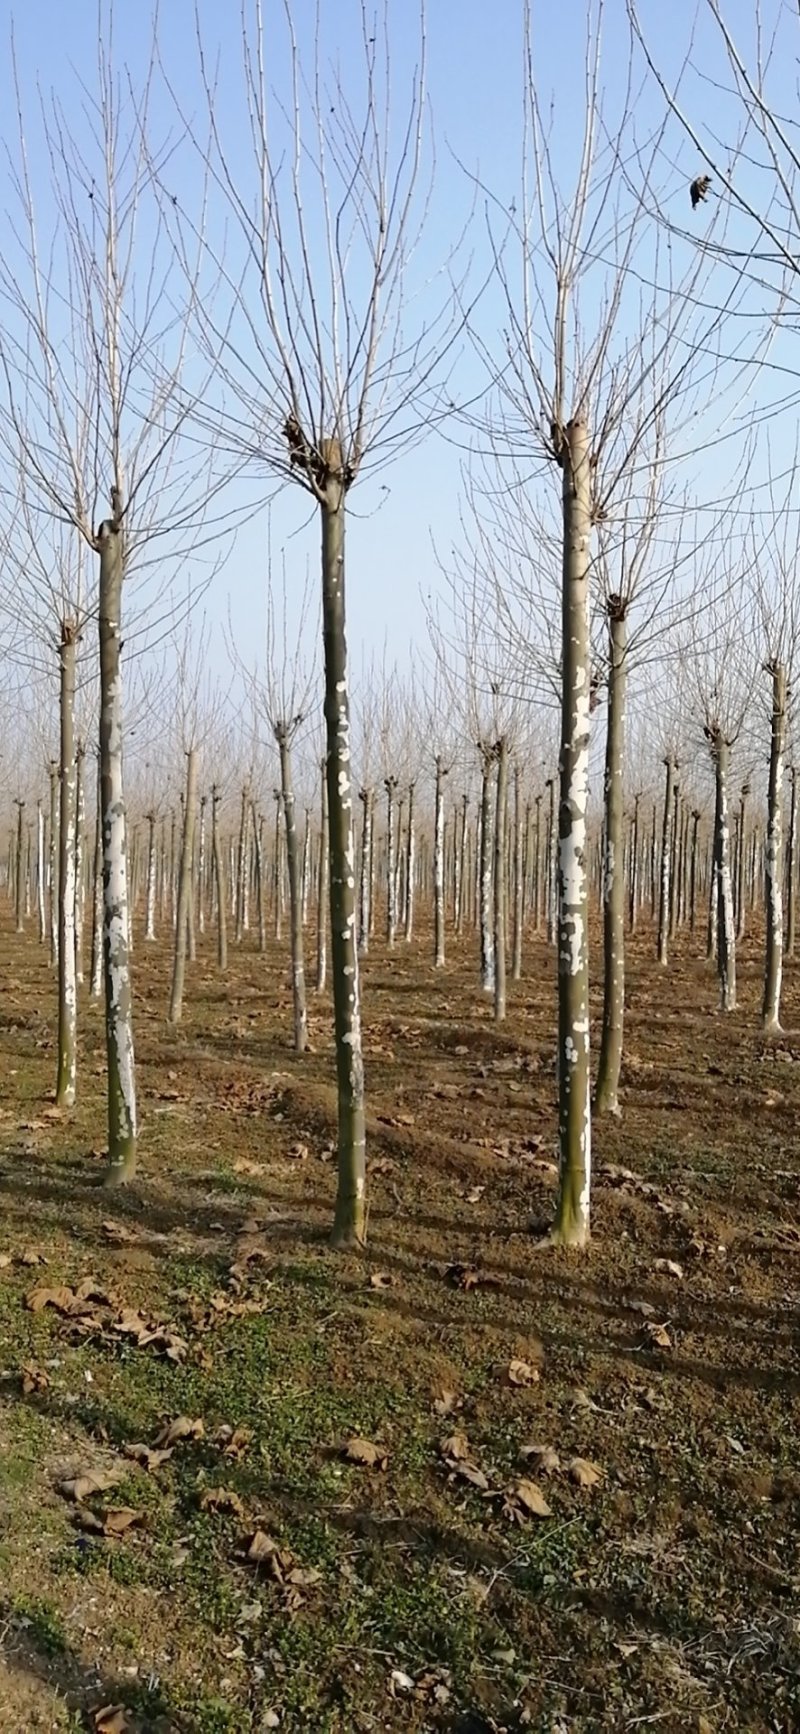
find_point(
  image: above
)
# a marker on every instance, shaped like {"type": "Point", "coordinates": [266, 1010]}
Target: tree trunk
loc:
{"type": "Point", "coordinates": [201, 868]}
{"type": "Point", "coordinates": [54, 864]}
{"type": "Point", "coordinates": [80, 875]}
{"type": "Point", "coordinates": [350, 1221]}
{"type": "Point", "coordinates": [41, 873]}
{"type": "Point", "coordinates": [633, 877]}
{"type": "Point", "coordinates": [322, 884]}
{"type": "Point", "coordinates": [218, 870]}
{"type": "Point", "coordinates": [365, 883]}
{"type": "Point", "coordinates": [390, 784]}
{"type": "Point", "coordinates": [741, 859]}
{"type": "Point", "coordinates": [294, 864]}
{"type": "Point", "coordinates": [150, 903]}
{"type": "Point", "coordinates": [674, 860]}
{"type": "Point", "coordinates": [116, 971]}
{"type": "Point", "coordinates": [184, 889]}
{"type": "Point", "coordinates": [461, 868]}
{"type": "Point", "coordinates": [67, 986]}
{"type": "Point", "coordinates": [726, 931]}
{"type": "Point", "coordinates": [610, 1061]}
{"type": "Point", "coordinates": [485, 873]}
{"type": "Point", "coordinates": [438, 866]}
{"type": "Point", "coordinates": [19, 886]}
{"type": "Point", "coordinates": [664, 884]}
{"type": "Point", "coordinates": [791, 867]}
{"type": "Point", "coordinates": [501, 794]}
{"type": "Point", "coordinates": [771, 1010]}
{"type": "Point", "coordinates": [305, 875]}
{"type": "Point", "coordinates": [410, 867]}
{"type": "Point", "coordinates": [693, 872]}
{"type": "Point", "coordinates": [96, 969]}
{"type": "Point", "coordinates": [571, 1226]}
{"type": "Point", "coordinates": [516, 958]}
{"type": "Point", "coordinates": [550, 881]}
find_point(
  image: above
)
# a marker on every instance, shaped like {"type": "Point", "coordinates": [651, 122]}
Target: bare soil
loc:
{"type": "Point", "coordinates": [418, 1591]}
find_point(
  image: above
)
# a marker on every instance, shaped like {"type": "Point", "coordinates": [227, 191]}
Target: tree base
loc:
{"type": "Point", "coordinates": [120, 1173]}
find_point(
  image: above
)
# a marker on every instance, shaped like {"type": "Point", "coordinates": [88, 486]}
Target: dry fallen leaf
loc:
{"type": "Point", "coordinates": [522, 1373]}
{"type": "Point", "coordinates": [669, 1267]}
{"type": "Point", "coordinates": [445, 1402]}
{"type": "Point", "coordinates": [381, 1279]}
{"type": "Point", "coordinates": [546, 1459]}
{"type": "Point", "coordinates": [114, 1520]}
{"type": "Point", "coordinates": [34, 1379]}
{"type": "Point", "coordinates": [584, 1473]}
{"type": "Point", "coordinates": [146, 1456]}
{"type": "Point", "coordinates": [258, 1547]}
{"type": "Point", "coordinates": [456, 1448]}
{"type": "Point", "coordinates": [114, 1719]}
{"type": "Point", "coordinates": [61, 1299]}
{"type": "Point", "coordinates": [467, 1277]}
{"type": "Point", "coordinates": [658, 1335]}
{"type": "Point", "coordinates": [90, 1481]}
{"type": "Point", "coordinates": [221, 1499]}
{"type": "Point", "coordinates": [31, 1256]}
{"type": "Point", "coordinates": [530, 1498]}
{"type": "Point", "coordinates": [363, 1451]}
{"type": "Point", "coordinates": [233, 1441]}
{"type": "Point", "coordinates": [174, 1432]}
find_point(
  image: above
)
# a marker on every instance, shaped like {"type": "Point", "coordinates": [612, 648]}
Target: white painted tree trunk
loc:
{"type": "Point", "coordinates": [726, 930]}
{"type": "Point", "coordinates": [610, 1061]}
{"type": "Point", "coordinates": [218, 870]}
{"type": "Point", "coordinates": [571, 1226]}
{"type": "Point", "coordinates": [202, 868]}
{"type": "Point", "coordinates": [365, 882]}
{"type": "Point", "coordinates": [791, 867]}
{"type": "Point", "coordinates": [96, 969]}
{"type": "Point", "coordinates": [518, 876]}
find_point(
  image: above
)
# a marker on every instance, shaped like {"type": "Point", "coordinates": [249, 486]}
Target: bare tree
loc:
{"type": "Point", "coordinates": [323, 373]}
{"type": "Point", "coordinates": [92, 353]}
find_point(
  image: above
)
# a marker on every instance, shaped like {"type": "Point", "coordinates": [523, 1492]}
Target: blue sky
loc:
{"type": "Point", "coordinates": [475, 85]}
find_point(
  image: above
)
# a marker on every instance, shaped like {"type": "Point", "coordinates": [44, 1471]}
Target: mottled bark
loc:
{"type": "Point", "coordinates": [202, 869]}
{"type": "Point", "coordinates": [184, 889]}
{"type": "Point", "coordinates": [773, 876]}
{"type": "Point", "coordinates": [323, 888]}
{"type": "Point", "coordinates": [80, 869]}
{"type": "Point", "coordinates": [461, 868]}
{"type": "Point", "coordinates": [350, 1221]}
{"type": "Point", "coordinates": [693, 871]}
{"type": "Point", "coordinates": [550, 863]}
{"type": "Point", "coordinates": [19, 873]}
{"type": "Point", "coordinates": [365, 880]}
{"type": "Point", "coordinates": [116, 971]}
{"type": "Point", "coordinates": [96, 968]}
{"type": "Point", "coordinates": [610, 1061]}
{"type": "Point", "coordinates": [571, 1225]}
{"type": "Point", "coordinates": [634, 869]}
{"type": "Point", "coordinates": [741, 857]}
{"type": "Point", "coordinates": [41, 873]}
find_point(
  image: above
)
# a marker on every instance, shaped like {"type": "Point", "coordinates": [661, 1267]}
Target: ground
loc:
{"type": "Point", "coordinates": [579, 1508]}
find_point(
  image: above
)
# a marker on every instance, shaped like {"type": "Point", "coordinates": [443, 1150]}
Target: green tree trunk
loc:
{"type": "Point", "coordinates": [571, 1226]}
{"type": "Point", "coordinates": [116, 971]}
{"type": "Point", "coordinates": [350, 1220]}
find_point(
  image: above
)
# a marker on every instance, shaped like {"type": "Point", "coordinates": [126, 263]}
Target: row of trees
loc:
{"type": "Point", "coordinates": [187, 326]}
